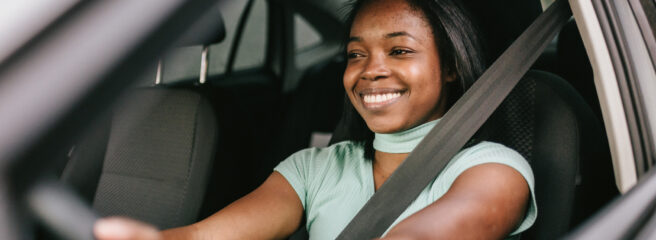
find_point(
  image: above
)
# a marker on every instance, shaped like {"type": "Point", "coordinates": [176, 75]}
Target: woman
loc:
{"type": "Point", "coordinates": [407, 62]}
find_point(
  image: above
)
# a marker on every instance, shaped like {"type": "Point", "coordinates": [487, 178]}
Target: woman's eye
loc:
{"type": "Point", "coordinates": [353, 55]}
{"type": "Point", "coordinates": [400, 51]}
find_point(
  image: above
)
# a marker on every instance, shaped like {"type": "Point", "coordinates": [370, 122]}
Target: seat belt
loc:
{"type": "Point", "coordinates": [456, 127]}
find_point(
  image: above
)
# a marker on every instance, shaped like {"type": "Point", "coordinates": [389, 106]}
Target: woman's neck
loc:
{"type": "Point", "coordinates": [404, 141]}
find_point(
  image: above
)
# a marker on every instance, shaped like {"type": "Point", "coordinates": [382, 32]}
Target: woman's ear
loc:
{"type": "Point", "coordinates": [449, 76]}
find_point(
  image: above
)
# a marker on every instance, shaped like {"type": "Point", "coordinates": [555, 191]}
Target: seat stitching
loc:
{"type": "Point", "coordinates": [191, 163]}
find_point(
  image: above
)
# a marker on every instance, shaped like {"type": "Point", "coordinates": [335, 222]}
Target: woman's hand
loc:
{"type": "Point", "coordinates": [120, 228]}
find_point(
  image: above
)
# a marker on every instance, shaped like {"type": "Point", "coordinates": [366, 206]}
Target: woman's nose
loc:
{"type": "Point", "coordinates": [375, 69]}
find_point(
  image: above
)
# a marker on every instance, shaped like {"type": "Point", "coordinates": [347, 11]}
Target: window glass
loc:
{"type": "Point", "coordinates": [305, 35]}
{"type": "Point", "coordinates": [650, 13]}
{"type": "Point", "coordinates": [252, 46]}
{"type": "Point", "coordinates": [546, 4]}
{"type": "Point", "coordinates": [218, 53]}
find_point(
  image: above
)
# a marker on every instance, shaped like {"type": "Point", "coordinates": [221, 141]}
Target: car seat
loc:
{"type": "Point", "coordinates": [150, 157]}
{"type": "Point", "coordinates": [159, 149]}
{"type": "Point", "coordinates": [551, 125]}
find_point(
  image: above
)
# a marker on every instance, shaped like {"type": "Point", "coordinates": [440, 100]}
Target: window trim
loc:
{"type": "Point", "coordinates": [607, 88]}
{"type": "Point", "coordinates": [236, 42]}
{"type": "Point", "coordinates": [627, 54]}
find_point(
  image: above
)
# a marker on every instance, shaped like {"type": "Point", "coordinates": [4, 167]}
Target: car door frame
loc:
{"type": "Point", "coordinates": [630, 52]}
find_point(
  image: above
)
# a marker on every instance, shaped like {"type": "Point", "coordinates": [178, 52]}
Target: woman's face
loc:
{"type": "Point", "coordinates": [393, 75]}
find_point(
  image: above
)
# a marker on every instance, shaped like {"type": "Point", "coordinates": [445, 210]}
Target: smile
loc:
{"type": "Point", "coordinates": [377, 98]}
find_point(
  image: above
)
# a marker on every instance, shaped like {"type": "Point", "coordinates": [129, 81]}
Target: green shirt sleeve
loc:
{"type": "Point", "coordinates": [296, 170]}
{"type": "Point", "coordinates": [489, 152]}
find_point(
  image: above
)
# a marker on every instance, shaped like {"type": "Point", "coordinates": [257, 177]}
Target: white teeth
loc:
{"type": "Point", "coordinates": [378, 98]}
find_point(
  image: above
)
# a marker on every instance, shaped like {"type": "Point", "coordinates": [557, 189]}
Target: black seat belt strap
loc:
{"type": "Point", "coordinates": [457, 126]}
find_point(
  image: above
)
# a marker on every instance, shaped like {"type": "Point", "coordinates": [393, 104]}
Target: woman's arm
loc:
{"type": "Point", "coordinates": [272, 211]}
{"type": "Point", "coordinates": [485, 202]}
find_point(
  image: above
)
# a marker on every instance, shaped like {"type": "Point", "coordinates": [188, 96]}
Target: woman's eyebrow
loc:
{"type": "Point", "coordinates": [354, 39]}
{"type": "Point", "coordinates": [389, 35]}
{"type": "Point", "coordinates": [398, 34]}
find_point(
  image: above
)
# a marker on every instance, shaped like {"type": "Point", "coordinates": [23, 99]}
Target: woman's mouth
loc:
{"type": "Point", "coordinates": [378, 98]}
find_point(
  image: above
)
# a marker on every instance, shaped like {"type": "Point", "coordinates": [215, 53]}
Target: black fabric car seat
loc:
{"type": "Point", "coordinates": [82, 166]}
{"type": "Point", "coordinates": [151, 157]}
{"type": "Point", "coordinates": [549, 123]}
{"type": "Point", "coordinates": [159, 150]}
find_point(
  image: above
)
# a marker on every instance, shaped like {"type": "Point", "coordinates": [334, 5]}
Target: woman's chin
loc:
{"type": "Point", "coordinates": [384, 126]}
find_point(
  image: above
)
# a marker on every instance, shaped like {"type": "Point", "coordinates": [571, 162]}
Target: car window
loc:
{"type": "Point", "coordinates": [650, 13]}
{"type": "Point", "coordinates": [316, 39]}
{"type": "Point", "coordinates": [305, 36]}
{"type": "Point", "coordinates": [252, 45]}
{"type": "Point", "coordinates": [218, 53]}
{"type": "Point", "coordinates": [546, 3]}
{"type": "Point", "coordinates": [183, 64]}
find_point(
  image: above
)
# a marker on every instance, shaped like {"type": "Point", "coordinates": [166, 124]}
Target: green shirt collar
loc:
{"type": "Point", "coordinates": [404, 141]}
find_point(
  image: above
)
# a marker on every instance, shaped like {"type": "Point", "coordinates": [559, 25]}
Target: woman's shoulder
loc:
{"type": "Point", "coordinates": [306, 169]}
{"type": "Point", "coordinates": [491, 152]}
{"type": "Point", "coordinates": [337, 153]}
{"type": "Point", "coordinates": [335, 149]}
{"type": "Point", "coordinates": [491, 149]}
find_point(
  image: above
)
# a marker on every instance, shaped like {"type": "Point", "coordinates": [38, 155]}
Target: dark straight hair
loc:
{"type": "Point", "coordinates": [460, 52]}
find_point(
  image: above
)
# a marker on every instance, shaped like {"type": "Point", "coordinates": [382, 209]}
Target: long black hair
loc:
{"type": "Point", "coordinates": [459, 48]}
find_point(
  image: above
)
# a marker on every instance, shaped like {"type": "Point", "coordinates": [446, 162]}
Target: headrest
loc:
{"type": "Point", "coordinates": [209, 29]}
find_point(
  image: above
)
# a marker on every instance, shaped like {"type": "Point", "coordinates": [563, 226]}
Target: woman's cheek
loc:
{"type": "Point", "coordinates": [349, 79]}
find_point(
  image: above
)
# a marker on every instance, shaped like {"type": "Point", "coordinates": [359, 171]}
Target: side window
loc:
{"type": "Point", "coordinates": [546, 3]}
{"type": "Point", "coordinates": [218, 53]}
{"type": "Point", "coordinates": [183, 64]}
{"type": "Point", "coordinates": [305, 36]}
{"type": "Point", "coordinates": [649, 17]}
{"type": "Point", "coordinates": [252, 46]}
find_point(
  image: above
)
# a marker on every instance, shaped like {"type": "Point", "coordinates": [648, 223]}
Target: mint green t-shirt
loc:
{"type": "Point", "coordinates": [334, 183]}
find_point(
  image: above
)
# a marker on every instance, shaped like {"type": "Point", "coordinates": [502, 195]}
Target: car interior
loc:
{"type": "Point", "coordinates": [185, 142]}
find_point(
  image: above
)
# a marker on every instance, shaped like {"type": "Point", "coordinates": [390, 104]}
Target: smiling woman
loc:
{"type": "Point", "coordinates": [442, 28]}
{"type": "Point", "coordinates": [407, 63]}
{"type": "Point", "coordinates": [393, 76]}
